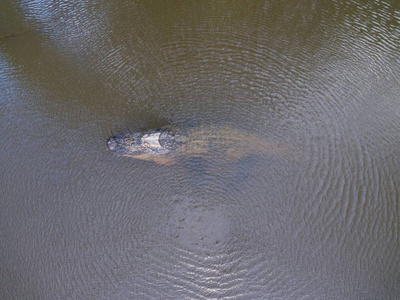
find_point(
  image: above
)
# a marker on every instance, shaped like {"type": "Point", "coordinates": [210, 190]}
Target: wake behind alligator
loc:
{"type": "Point", "coordinates": [170, 144]}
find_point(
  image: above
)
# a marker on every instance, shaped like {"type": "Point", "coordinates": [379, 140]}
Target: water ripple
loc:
{"type": "Point", "coordinates": [320, 222]}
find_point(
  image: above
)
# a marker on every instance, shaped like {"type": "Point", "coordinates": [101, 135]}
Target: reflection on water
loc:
{"type": "Point", "coordinates": [318, 76]}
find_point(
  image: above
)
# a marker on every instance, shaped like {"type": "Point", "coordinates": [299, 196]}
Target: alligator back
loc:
{"type": "Point", "coordinates": [228, 142]}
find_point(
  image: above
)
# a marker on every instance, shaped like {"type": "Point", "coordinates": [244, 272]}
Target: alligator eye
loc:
{"type": "Point", "coordinates": [128, 141]}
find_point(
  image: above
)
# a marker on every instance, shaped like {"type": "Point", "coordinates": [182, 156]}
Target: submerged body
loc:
{"type": "Point", "coordinates": [168, 145]}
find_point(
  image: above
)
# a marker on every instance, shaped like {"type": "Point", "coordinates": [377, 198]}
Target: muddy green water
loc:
{"type": "Point", "coordinates": [321, 77]}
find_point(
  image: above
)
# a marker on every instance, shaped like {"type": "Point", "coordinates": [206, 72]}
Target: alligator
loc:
{"type": "Point", "coordinates": [170, 144]}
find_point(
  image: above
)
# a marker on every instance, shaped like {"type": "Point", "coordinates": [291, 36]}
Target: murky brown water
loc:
{"type": "Point", "coordinates": [322, 77]}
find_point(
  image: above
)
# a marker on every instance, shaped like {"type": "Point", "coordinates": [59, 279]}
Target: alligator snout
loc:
{"type": "Point", "coordinates": [125, 144]}
{"type": "Point", "coordinates": [111, 143]}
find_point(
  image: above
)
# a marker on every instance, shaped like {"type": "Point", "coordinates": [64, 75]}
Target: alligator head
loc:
{"type": "Point", "coordinates": [149, 146]}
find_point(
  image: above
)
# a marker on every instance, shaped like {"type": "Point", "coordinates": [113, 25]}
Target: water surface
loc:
{"type": "Point", "coordinates": [321, 77]}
